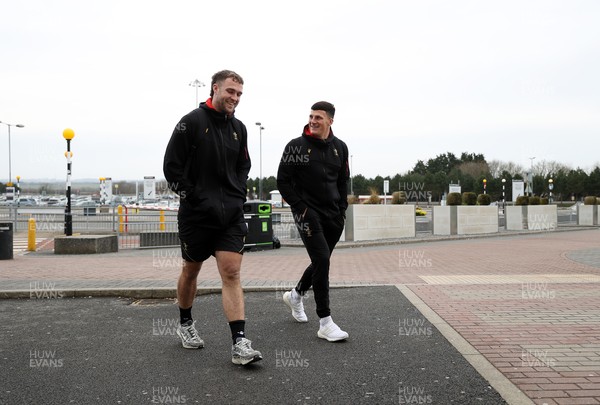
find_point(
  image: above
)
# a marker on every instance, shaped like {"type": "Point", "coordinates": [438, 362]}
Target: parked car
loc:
{"type": "Point", "coordinates": [86, 203]}
{"type": "Point", "coordinates": [27, 202]}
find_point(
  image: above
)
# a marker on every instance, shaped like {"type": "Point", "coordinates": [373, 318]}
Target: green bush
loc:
{"type": "Point", "coordinates": [454, 199]}
{"type": "Point", "coordinates": [469, 198]}
{"type": "Point", "coordinates": [544, 201]}
{"type": "Point", "coordinates": [352, 199]}
{"type": "Point", "coordinates": [398, 197]}
{"type": "Point", "coordinates": [534, 200]}
{"type": "Point", "coordinates": [590, 200]}
{"type": "Point", "coordinates": [484, 199]}
{"type": "Point", "coordinates": [522, 200]}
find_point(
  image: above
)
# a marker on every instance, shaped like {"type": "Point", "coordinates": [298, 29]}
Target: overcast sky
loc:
{"type": "Point", "coordinates": [410, 79]}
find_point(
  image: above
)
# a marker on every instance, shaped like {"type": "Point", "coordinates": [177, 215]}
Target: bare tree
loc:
{"type": "Point", "coordinates": [498, 167]}
{"type": "Point", "coordinates": [474, 169]}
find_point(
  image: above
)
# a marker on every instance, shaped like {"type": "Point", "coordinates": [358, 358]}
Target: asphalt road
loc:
{"type": "Point", "coordinates": [117, 351]}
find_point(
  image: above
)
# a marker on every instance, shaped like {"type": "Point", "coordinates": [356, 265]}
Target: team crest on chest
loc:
{"type": "Point", "coordinates": [335, 152]}
{"type": "Point", "coordinates": [235, 136]}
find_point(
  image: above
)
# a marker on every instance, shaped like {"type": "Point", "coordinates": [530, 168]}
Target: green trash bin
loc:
{"type": "Point", "coordinates": [6, 241]}
{"type": "Point", "coordinates": [260, 226]}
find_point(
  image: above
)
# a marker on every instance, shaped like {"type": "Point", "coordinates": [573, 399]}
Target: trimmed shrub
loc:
{"type": "Point", "coordinates": [484, 199]}
{"type": "Point", "coordinates": [590, 200]}
{"type": "Point", "coordinates": [469, 198]}
{"type": "Point", "coordinates": [544, 201]}
{"type": "Point", "coordinates": [373, 198]}
{"type": "Point", "coordinates": [352, 199]}
{"type": "Point", "coordinates": [534, 200]}
{"type": "Point", "coordinates": [398, 197]}
{"type": "Point", "coordinates": [454, 199]}
{"type": "Point", "coordinates": [522, 200]}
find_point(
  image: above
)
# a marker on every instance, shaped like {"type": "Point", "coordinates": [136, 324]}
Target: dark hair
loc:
{"type": "Point", "coordinates": [221, 76]}
{"type": "Point", "coordinates": [324, 106]}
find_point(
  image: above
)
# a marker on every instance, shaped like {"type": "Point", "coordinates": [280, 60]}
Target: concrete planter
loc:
{"type": "Point", "coordinates": [515, 217]}
{"type": "Point", "coordinates": [531, 217]}
{"type": "Point", "coordinates": [542, 217]}
{"type": "Point", "coordinates": [372, 222]}
{"type": "Point", "coordinates": [465, 220]}
{"type": "Point", "coordinates": [587, 215]}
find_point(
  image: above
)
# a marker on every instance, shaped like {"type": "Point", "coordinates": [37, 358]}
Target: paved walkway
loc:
{"type": "Point", "coordinates": [525, 307]}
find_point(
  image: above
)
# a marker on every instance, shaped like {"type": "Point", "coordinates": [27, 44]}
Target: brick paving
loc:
{"type": "Point", "coordinates": [529, 303]}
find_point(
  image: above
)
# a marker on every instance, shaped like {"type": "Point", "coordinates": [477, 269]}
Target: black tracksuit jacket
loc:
{"type": "Point", "coordinates": [207, 163]}
{"type": "Point", "coordinates": [314, 173]}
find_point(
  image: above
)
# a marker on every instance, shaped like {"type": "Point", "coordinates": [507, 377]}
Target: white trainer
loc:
{"type": "Point", "coordinates": [243, 353]}
{"type": "Point", "coordinates": [332, 332]}
{"type": "Point", "coordinates": [297, 307]}
{"type": "Point", "coordinates": [189, 336]}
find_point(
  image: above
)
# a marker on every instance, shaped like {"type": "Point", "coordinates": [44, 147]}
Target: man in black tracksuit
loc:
{"type": "Point", "coordinates": [207, 164]}
{"type": "Point", "coordinates": [313, 177]}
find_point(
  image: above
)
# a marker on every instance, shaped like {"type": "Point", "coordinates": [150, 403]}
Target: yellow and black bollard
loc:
{"type": "Point", "coordinates": [120, 212]}
{"type": "Point", "coordinates": [162, 220]}
{"type": "Point", "coordinates": [31, 235]}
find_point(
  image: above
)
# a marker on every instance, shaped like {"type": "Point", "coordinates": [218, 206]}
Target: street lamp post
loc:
{"type": "Point", "coordinates": [197, 83]}
{"type": "Point", "coordinates": [101, 189]}
{"type": "Point", "coordinates": [550, 188]}
{"type": "Point", "coordinates": [503, 195]}
{"type": "Point", "coordinates": [484, 185]}
{"type": "Point", "coordinates": [18, 189]}
{"type": "Point", "coordinates": [9, 153]}
{"type": "Point", "coordinates": [260, 190]}
{"type": "Point", "coordinates": [68, 134]}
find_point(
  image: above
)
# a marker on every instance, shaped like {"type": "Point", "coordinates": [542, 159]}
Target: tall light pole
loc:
{"type": "Point", "coordinates": [550, 188]}
{"type": "Point", "coordinates": [503, 195]}
{"type": "Point", "coordinates": [260, 128]}
{"type": "Point", "coordinates": [10, 183]}
{"type": "Point", "coordinates": [196, 83]}
{"type": "Point", "coordinates": [68, 134]}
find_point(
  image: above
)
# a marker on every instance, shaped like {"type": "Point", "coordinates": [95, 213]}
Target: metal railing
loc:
{"type": "Point", "coordinates": [128, 224]}
{"type": "Point", "coordinates": [139, 228]}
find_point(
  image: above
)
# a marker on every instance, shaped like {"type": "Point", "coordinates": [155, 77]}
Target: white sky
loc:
{"type": "Point", "coordinates": [410, 79]}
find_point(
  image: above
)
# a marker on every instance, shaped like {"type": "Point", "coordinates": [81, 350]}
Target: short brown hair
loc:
{"type": "Point", "coordinates": [221, 76]}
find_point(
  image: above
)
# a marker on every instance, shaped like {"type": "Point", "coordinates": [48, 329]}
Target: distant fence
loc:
{"type": "Point", "coordinates": [139, 228]}
{"type": "Point", "coordinates": [136, 228]}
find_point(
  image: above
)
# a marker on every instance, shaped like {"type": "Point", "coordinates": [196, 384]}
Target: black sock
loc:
{"type": "Point", "coordinates": [185, 315]}
{"type": "Point", "coordinates": [237, 330]}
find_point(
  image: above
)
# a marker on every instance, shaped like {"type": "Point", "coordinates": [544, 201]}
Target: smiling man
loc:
{"type": "Point", "coordinates": [313, 179]}
{"type": "Point", "coordinates": [207, 163]}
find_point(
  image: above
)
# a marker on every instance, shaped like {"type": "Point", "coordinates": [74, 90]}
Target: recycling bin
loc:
{"type": "Point", "coordinates": [260, 226]}
{"type": "Point", "coordinates": [6, 241]}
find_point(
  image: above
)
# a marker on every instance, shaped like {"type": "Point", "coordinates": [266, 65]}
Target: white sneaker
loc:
{"type": "Point", "coordinates": [243, 353]}
{"type": "Point", "coordinates": [189, 336]}
{"type": "Point", "coordinates": [297, 307]}
{"type": "Point", "coordinates": [332, 332]}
